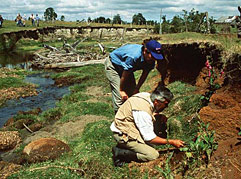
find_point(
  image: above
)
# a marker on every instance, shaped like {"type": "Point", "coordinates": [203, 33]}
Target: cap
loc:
{"type": "Point", "coordinates": [155, 48]}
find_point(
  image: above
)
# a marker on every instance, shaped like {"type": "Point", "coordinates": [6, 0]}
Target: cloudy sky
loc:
{"type": "Point", "coordinates": [82, 9]}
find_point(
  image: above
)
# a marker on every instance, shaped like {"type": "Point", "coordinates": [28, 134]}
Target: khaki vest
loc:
{"type": "Point", "coordinates": [124, 120]}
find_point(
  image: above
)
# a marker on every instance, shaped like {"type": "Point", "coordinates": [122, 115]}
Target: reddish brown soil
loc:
{"type": "Point", "coordinates": [223, 113]}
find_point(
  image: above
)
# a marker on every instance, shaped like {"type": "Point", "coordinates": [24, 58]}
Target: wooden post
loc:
{"type": "Point", "coordinates": [186, 23]}
{"type": "Point", "coordinates": [208, 25]}
{"type": "Point", "coordinates": [160, 30]}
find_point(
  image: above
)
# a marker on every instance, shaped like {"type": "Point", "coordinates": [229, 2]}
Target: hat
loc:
{"type": "Point", "coordinates": [155, 48]}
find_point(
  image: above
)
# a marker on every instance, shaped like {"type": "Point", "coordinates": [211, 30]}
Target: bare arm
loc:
{"type": "Point", "coordinates": [123, 79]}
{"type": "Point", "coordinates": [160, 141]}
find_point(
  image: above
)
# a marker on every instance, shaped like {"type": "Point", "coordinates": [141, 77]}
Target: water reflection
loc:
{"type": "Point", "coordinates": [16, 60]}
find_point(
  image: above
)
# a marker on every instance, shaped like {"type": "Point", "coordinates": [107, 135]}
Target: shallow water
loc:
{"type": "Point", "coordinates": [16, 60]}
{"type": "Point", "coordinates": [46, 99]}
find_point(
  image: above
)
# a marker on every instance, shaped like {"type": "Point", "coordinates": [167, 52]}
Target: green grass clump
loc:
{"type": "Point", "coordinates": [11, 82]}
{"type": "Point", "coordinates": [90, 75]}
{"type": "Point", "coordinates": [99, 109]}
{"type": "Point", "coordinates": [182, 110]}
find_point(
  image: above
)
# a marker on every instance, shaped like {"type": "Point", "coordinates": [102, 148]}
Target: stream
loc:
{"type": "Point", "coordinates": [48, 95]}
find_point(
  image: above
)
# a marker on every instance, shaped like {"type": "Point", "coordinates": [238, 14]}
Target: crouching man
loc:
{"type": "Point", "coordinates": [134, 130]}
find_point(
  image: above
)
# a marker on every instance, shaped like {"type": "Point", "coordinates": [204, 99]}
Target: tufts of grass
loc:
{"type": "Point", "coordinates": [51, 114]}
{"type": "Point", "coordinates": [91, 75]}
{"type": "Point", "coordinates": [11, 82]}
{"type": "Point", "coordinates": [99, 109]}
{"type": "Point", "coordinates": [182, 110]}
{"type": "Point", "coordinates": [75, 97]}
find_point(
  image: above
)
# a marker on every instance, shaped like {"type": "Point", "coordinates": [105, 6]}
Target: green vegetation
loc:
{"type": "Point", "coordinates": [166, 172]}
{"type": "Point", "coordinates": [11, 79]}
{"type": "Point", "coordinates": [11, 82]}
{"type": "Point", "coordinates": [182, 110]}
{"type": "Point", "coordinates": [200, 150]}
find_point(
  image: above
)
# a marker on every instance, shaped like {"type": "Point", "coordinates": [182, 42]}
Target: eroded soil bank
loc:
{"type": "Point", "coordinates": [223, 111]}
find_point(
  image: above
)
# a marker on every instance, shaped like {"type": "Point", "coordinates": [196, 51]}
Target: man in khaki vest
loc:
{"type": "Point", "coordinates": [133, 127]}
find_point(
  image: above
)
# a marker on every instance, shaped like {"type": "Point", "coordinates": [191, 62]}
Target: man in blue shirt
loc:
{"type": "Point", "coordinates": [124, 61]}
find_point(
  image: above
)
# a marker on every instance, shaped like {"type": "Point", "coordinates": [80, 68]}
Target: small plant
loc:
{"type": "Point", "coordinates": [239, 131]}
{"type": "Point", "coordinates": [201, 148]}
{"type": "Point", "coordinates": [212, 85]}
{"type": "Point", "coordinates": [167, 172]}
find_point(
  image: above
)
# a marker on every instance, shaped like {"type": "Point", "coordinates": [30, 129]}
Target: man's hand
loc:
{"type": "Point", "coordinates": [176, 143]}
{"type": "Point", "coordinates": [124, 96]}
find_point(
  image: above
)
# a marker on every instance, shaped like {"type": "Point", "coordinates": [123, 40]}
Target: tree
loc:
{"type": "Point", "coordinates": [165, 25]}
{"type": "Point", "coordinates": [117, 19]}
{"type": "Point", "coordinates": [177, 24]}
{"type": "Point", "coordinates": [49, 14]}
{"type": "Point", "coordinates": [62, 18]}
{"type": "Point", "coordinates": [100, 19]}
{"type": "Point", "coordinates": [108, 21]}
{"type": "Point", "coordinates": [138, 19]}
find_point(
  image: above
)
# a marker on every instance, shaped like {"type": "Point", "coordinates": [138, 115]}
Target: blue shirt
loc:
{"type": "Point", "coordinates": [130, 58]}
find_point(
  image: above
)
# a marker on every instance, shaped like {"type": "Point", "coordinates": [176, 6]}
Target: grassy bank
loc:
{"type": "Point", "coordinates": [12, 85]}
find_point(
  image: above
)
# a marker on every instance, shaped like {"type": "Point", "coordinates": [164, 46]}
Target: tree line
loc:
{"type": "Point", "coordinates": [193, 21]}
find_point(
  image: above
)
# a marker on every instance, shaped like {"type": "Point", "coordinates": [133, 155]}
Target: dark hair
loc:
{"type": "Point", "coordinates": [161, 93]}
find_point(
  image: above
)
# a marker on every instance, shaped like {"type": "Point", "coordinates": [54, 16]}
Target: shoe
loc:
{"type": "Point", "coordinates": [122, 156]}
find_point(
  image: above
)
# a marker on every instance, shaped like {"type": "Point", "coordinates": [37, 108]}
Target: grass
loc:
{"type": "Point", "coordinates": [182, 110]}
{"type": "Point", "coordinates": [12, 79]}
{"type": "Point", "coordinates": [11, 82]}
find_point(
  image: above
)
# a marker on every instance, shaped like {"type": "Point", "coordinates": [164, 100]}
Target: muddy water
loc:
{"type": "Point", "coordinates": [16, 60]}
{"type": "Point", "coordinates": [46, 99]}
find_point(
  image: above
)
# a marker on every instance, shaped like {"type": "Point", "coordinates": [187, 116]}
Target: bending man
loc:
{"type": "Point", "coordinates": [124, 61]}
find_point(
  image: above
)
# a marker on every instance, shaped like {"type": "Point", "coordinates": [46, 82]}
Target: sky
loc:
{"type": "Point", "coordinates": [151, 9]}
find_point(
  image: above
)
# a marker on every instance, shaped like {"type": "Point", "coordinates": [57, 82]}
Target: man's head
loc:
{"type": "Point", "coordinates": [160, 97]}
{"type": "Point", "coordinates": [152, 51]}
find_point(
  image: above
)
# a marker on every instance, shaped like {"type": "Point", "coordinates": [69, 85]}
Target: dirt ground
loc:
{"type": "Point", "coordinates": [223, 113]}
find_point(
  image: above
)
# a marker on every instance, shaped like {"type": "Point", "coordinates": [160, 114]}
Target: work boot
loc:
{"type": "Point", "coordinates": [121, 156]}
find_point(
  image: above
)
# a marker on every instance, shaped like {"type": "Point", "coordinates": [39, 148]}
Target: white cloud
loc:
{"type": "Point", "coordinates": [79, 9]}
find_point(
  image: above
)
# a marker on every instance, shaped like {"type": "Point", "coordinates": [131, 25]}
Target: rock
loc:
{"type": "Point", "coordinates": [7, 169]}
{"type": "Point", "coordinates": [44, 149]}
{"type": "Point", "coordinates": [36, 126]}
{"type": "Point", "coordinates": [9, 139]}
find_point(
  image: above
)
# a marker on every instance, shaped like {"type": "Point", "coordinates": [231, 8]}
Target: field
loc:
{"type": "Point", "coordinates": [205, 113]}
